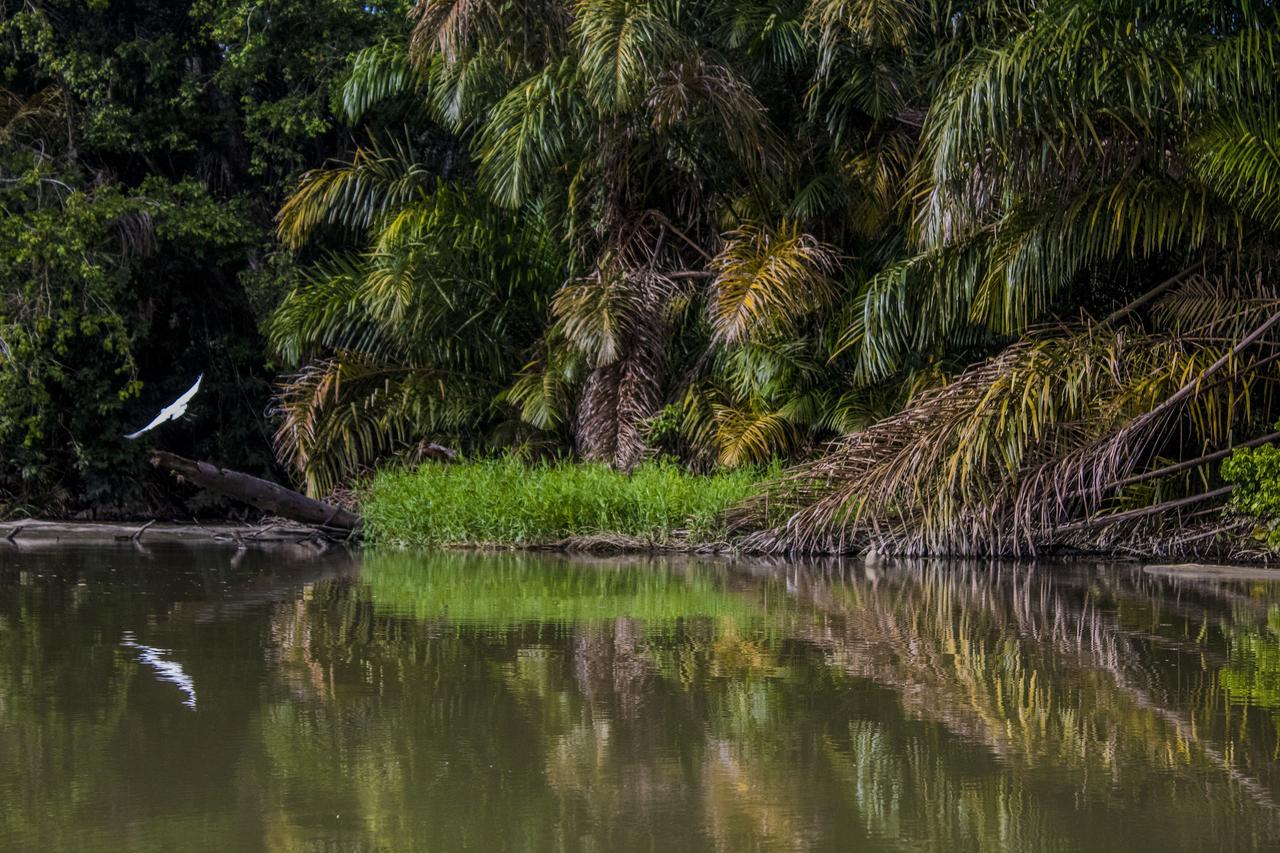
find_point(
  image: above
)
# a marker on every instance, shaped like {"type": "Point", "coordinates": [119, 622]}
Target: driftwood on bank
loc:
{"type": "Point", "coordinates": [263, 494]}
{"type": "Point", "coordinates": [35, 533]}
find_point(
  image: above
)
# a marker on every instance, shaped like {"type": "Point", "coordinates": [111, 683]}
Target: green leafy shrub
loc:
{"type": "Point", "coordinates": [506, 502]}
{"type": "Point", "coordinates": [1255, 471]}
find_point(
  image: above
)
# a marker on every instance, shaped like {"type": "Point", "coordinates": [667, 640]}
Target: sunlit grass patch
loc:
{"type": "Point", "coordinates": [507, 502]}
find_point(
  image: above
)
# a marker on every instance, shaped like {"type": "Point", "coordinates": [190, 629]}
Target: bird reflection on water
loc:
{"type": "Point", "coordinates": [166, 670]}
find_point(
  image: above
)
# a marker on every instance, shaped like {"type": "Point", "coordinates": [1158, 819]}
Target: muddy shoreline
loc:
{"type": "Point", "coordinates": [47, 532]}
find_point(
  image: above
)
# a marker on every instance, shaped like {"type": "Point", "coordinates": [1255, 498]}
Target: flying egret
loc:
{"type": "Point", "coordinates": [171, 412]}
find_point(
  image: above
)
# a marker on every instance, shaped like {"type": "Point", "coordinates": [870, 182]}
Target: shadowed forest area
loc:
{"type": "Point", "coordinates": [987, 277]}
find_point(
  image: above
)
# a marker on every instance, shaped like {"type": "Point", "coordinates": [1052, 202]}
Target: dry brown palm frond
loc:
{"type": "Point", "coordinates": [596, 430]}
{"type": "Point", "coordinates": [136, 233]}
{"type": "Point", "coordinates": [597, 313]}
{"type": "Point", "coordinates": [1003, 457]}
{"type": "Point", "coordinates": [448, 26]}
{"type": "Point", "coordinates": [1200, 532]}
{"type": "Point", "coordinates": [602, 313]}
{"type": "Point", "coordinates": [34, 119]}
{"type": "Point", "coordinates": [1214, 307]}
{"type": "Point", "coordinates": [696, 91]}
{"type": "Point", "coordinates": [616, 319]}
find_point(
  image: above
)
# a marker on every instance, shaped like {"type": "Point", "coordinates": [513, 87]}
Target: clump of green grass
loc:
{"type": "Point", "coordinates": [507, 502]}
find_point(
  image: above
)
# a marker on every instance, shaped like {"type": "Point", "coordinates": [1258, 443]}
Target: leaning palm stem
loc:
{"type": "Point", "coordinates": [1162, 287]}
{"type": "Point", "coordinates": [1154, 509]}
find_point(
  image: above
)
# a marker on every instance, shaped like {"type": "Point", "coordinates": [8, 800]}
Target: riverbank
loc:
{"type": "Point", "coordinates": [504, 503]}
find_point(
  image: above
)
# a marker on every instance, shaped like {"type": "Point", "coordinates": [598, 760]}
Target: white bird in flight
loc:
{"type": "Point", "coordinates": [171, 412]}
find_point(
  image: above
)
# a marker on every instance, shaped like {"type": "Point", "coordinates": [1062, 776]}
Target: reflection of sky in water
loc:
{"type": "Point", "coordinates": [453, 702]}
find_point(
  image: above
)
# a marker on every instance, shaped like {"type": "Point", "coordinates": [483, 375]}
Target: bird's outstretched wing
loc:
{"type": "Point", "coordinates": [156, 421]}
{"type": "Point", "coordinates": [181, 403]}
{"type": "Point", "coordinates": [172, 411]}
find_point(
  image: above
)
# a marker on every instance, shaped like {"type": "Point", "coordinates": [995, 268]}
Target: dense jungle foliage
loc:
{"type": "Point", "coordinates": [144, 150]}
{"type": "Point", "coordinates": [997, 275]}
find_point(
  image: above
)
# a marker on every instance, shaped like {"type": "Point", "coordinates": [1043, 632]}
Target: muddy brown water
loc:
{"type": "Point", "coordinates": [206, 698]}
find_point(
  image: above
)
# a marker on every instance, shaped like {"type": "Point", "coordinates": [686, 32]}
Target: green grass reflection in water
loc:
{"type": "Point", "coordinates": [502, 701]}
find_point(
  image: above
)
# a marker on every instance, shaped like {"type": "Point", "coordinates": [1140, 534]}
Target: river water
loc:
{"type": "Point", "coordinates": [211, 699]}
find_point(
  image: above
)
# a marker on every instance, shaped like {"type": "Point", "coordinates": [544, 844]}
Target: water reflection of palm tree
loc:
{"type": "Point", "coordinates": [1030, 666]}
{"type": "Point", "coordinates": [1019, 690]}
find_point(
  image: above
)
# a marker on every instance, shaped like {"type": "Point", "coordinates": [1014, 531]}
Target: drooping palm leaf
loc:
{"type": "Point", "coordinates": [353, 195]}
{"type": "Point", "coordinates": [1002, 457]}
{"type": "Point", "coordinates": [765, 278]}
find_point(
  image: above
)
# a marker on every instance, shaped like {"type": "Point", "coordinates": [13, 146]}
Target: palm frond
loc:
{"type": "Point", "coordinates": [447, 26]}
{"type": "Point", "coordinates": [459, 93]}
{"type": "Point", "coordinates": [1037, 252]}
{"type": "Point", "coordinates": [917, 305]}
{"type": "Point", "coordinates": [353, 195]}
{"type": "Point", "coordinates": [840, 25]}
{"type": "Point", "coordinates": [340, 415]}
{"type": "Point", "coordinates": [33, 119]}
{"type": "Point", "coordinates": [765, 278]}
{"type": "Point", "coordinates": [604, 313]}
{"type": "Point", "coordinates": [999, 458]}
{"type": "Point", "coordinates": [325, 310]}
{"type": "Point", "coordinates": [767, 31]}
{"type": "Point", "coordinates": [1215, 308]}
{"type": "Point", "coordinates": [378, 74]}
{"type": "Point", "coordinates": [746, 437]}
{"type": "Point", "coordinates": [526, 135]}
{"type": "Point", "coordinates": [711, 101]}
{"type": "Point", "coordinates": [543, 390]}
{"type": "Point", "coordinates": [622, 42]}
{"type": "Point", "coordinates": [1238, 156]}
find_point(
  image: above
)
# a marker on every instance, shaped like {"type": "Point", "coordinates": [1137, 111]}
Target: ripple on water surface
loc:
{"type": "Point", "coordinates": [494, 702]}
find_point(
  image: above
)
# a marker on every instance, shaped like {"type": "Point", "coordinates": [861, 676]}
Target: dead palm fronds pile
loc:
{"type": "Point", "coordinates": [1053, 442]}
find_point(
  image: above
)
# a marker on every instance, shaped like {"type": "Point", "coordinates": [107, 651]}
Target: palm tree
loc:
{"type": "Point", "coordinates": [1013, 256]}
{"type": "Point", "coordinates": [1097, 153]}
{"type": "Point", "coordinates": [635, 127]}
{"type": "Point", "coordinates": [413, 337]}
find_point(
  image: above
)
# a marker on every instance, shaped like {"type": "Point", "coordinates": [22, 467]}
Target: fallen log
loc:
{"type": "Point", "coordinates": [36, 533]}
{"type": "Point", "coordinates": [255, 491]}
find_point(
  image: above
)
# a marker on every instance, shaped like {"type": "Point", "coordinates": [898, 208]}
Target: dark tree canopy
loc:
{"type": "Point", "coordinates": [144, 148]}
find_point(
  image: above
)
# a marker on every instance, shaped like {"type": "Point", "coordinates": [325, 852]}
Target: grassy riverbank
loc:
{"type": "Point", "coordinates": [508, 503]}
